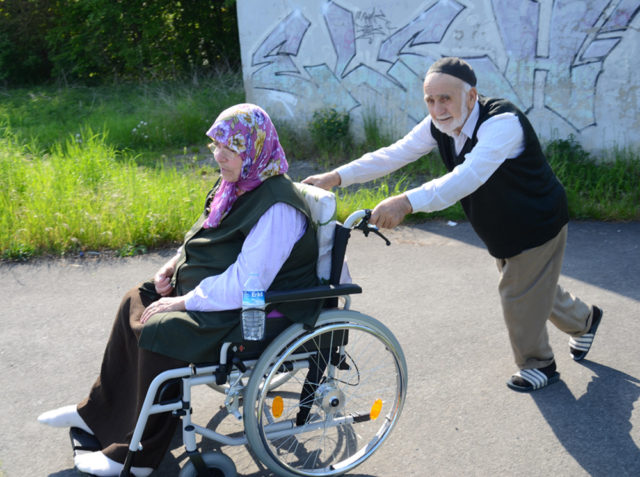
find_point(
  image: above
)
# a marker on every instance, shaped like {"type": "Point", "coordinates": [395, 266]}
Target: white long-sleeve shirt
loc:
{"type": "Point", "coordinates": [266, 248]}
{"type": "Point", "coordinates": [499, 138]}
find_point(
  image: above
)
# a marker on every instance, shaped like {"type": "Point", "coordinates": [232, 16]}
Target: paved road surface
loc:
{"type": "Point", "coordinates": [435, 287]}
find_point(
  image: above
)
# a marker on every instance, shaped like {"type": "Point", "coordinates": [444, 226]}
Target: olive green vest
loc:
{"type": "Point", "coordinates": [196, 336]}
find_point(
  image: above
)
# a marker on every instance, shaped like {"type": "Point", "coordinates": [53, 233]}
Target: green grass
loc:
{"type": "Point", "coordinates": [119, 167]}
{"type": "Point", "coordinates": [144, 118]}
{"type": "Point", "coordinates": [85, 196]}
{"type": "Point", "coordinates": [90, 169]}
{"type": "Point", "coordinates": [608, 189]}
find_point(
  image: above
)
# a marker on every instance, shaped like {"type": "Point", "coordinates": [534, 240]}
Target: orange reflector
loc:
{"type": "Point", "coordinates": [375, 409]}
{"type": "Point", "coordinates": [277, 406]}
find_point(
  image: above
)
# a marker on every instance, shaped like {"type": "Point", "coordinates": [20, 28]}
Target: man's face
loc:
{"type": "Point", "coordinates": [448, 104]}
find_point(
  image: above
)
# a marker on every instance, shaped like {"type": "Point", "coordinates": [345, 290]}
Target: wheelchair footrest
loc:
{"type": "Point", "coordinates": [82, 441]}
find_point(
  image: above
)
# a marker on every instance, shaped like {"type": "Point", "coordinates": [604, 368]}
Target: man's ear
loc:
{"type": "Point", "coordinates": [472, 97]}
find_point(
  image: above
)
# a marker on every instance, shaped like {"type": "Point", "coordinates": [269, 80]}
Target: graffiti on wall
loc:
{"type": "Point", "coordinates": [551, 56]}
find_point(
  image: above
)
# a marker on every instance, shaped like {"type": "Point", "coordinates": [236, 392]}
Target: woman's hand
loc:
{"type": "Point", "coordinates": [172, 303]}
{"type": "Point", "coordinates": [162, 278]}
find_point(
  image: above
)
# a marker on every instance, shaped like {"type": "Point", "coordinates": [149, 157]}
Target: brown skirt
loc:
{"type": "Point", "coordinates": [112, 407]}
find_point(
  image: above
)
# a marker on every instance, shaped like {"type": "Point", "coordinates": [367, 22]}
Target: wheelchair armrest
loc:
{"type": "Point", "coordinates": [314, 293]}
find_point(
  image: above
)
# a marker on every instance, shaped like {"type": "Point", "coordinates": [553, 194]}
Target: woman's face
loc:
{"type": "Point", "coordinates": [230, 163]}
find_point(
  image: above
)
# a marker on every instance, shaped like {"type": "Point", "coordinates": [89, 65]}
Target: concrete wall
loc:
{"type": "Point", "coordinates": [572, 66]}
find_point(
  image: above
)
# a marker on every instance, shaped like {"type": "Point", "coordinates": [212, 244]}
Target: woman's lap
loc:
{"type": "Point", "coordinates": [113, 404]}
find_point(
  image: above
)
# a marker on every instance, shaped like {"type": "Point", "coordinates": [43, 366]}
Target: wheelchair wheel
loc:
{"type": "Point", "coordinates": [333, 414]}
{"type": "Point", "coordinates": [219, 465]}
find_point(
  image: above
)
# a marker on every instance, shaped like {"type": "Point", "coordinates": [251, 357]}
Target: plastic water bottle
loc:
{"type": "Point", "coordinates": [253, 317]}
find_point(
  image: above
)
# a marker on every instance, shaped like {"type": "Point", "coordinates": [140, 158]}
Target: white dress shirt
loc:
{"type": "Point", "coordinates": [264, 251]}
{"type": "Point", "coordinates": [499, 138]}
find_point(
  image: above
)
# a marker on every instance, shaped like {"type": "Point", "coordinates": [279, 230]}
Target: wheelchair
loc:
{"type": "Point", "coordinates": [313, 402]}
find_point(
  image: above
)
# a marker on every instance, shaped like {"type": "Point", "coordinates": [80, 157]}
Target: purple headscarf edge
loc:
{"type": "Point", "coordinates": [247, 130]}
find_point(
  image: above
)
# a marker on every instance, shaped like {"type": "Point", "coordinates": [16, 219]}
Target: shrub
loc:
{"type": "Point", "coordinates": [103, 40]}
{"type": "Point", "coordinates": [330, 130]}
{"type": "Point", "coordinates": [24, 55]}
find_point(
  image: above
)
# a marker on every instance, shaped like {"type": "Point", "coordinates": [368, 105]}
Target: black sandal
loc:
{"type": "Point", "coordinates": [580, 346]}
{"type": "Point", "coordinates": [528, 380]}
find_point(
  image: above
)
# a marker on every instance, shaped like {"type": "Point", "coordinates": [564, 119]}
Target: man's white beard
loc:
{"type": "Point", "coordinates": [458, 123]}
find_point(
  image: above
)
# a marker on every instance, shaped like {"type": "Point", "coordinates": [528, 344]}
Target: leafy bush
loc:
{"type": "Point", "coordinates": [23, 46]}
{"type": "Point", "coordinates": [329, 130]}
{"type": "Point", "coordinates": [100, 40]}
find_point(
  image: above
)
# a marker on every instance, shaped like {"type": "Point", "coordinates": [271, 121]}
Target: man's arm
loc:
{"type": "Point", "coordinates": [381, 162]}
{"type": "Point", "coordinates": [499, 138]}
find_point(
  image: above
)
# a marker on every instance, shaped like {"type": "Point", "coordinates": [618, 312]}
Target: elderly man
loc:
{"type": "Point", "coordinates": [512, 198]}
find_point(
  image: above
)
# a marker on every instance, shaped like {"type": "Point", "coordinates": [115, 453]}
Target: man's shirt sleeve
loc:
{"type": "Point", "coordinates": [499, 138]}
{"type": "Point", "coordinates": [373, 165]}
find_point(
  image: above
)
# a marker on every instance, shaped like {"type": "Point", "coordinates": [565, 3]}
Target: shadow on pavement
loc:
{"type": "Point", "coordinates": [598, 253]}
{"type": "Point", "coordinates": [595, 428]}
{"type": "Point", "coordinates": [247, 464]}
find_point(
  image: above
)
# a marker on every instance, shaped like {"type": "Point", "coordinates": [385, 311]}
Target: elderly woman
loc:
{"type": "Point", "coordinates": [254, 222]}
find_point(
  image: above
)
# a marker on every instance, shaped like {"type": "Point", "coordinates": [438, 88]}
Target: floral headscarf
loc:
{"type": "Point", "coordinates": [247, 130]}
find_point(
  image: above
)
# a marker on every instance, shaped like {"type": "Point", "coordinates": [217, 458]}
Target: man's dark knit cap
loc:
{"type": "Point", "coordinates": [455, 67]}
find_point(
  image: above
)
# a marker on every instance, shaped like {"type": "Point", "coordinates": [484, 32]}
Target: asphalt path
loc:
{"type": "Point", "coordinates": [436, 288]}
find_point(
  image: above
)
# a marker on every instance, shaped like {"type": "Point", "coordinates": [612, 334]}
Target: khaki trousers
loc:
{"type": "Point", "coordinates": [530, 295]}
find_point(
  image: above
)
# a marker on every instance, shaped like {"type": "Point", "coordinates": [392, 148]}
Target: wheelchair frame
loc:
{"type": "Point", "coordinates": [296, 348]}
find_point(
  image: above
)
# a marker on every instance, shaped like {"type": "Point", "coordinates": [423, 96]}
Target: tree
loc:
{"type": "Point", "coordinates": [101, 40]}
{"type": "Point", "coordinates": [24, 54]}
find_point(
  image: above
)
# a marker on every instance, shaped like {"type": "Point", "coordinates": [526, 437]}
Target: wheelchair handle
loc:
{"type": "Point", "coordinates": [360, 220]}
{"type": "Point", "coordinates": [356, 217]}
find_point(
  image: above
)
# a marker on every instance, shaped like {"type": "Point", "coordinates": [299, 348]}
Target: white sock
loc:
{"type": "Point", "coordinates": [97, 463]}
{"type": "Point", "coordinates": [66, 416]}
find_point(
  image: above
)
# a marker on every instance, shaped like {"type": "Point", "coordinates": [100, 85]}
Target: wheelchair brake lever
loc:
{"type": "Point", "coordinates": [376, 231]}
{"type": "Point", "coordinates": [366, 228]}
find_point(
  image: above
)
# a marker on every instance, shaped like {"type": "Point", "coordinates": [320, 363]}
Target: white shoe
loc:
{"type": "Point", "coordinates": [66, 416]}
{"type": "Point", "coordinates": [96, 463]}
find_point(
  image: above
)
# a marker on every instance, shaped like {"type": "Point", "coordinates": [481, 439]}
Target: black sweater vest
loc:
{"type": "Point", "coordinates": [522, 205]}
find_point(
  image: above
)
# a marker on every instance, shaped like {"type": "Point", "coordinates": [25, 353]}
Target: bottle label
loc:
{"type": "Point", "coordinates": [252, 298]}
